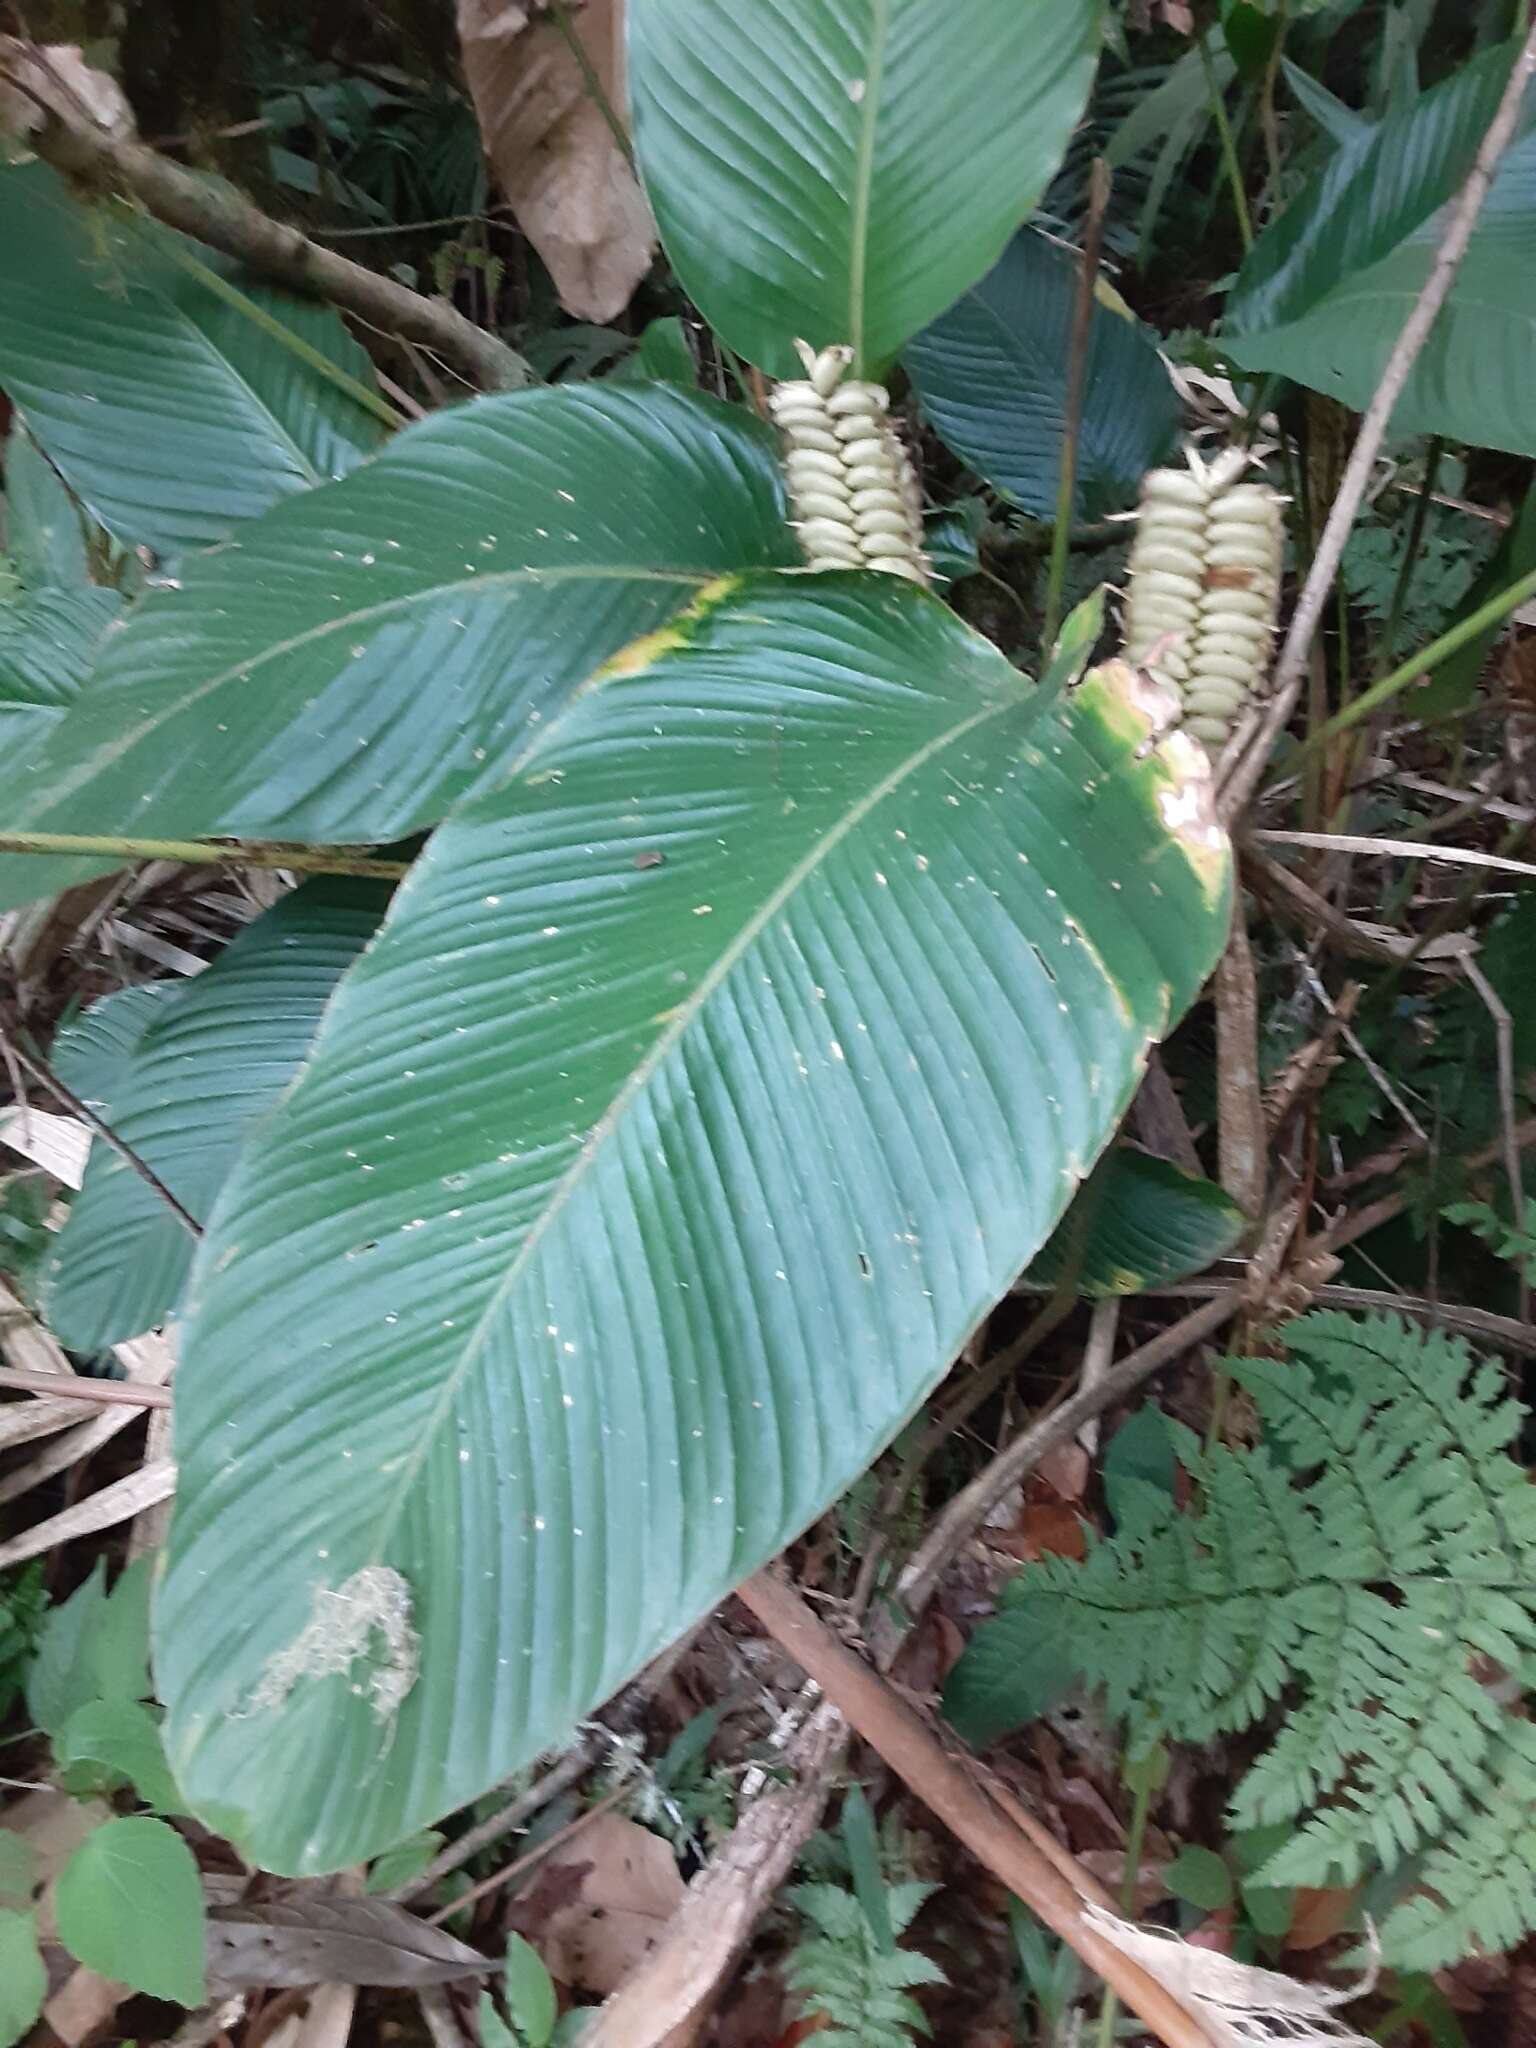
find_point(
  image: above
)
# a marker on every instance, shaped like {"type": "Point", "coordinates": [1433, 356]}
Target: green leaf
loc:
{"type": "Point", "coordinates": [407, 1860]}
{"type": "Point", "coordinates": [664, 353]}
{"type": "Point", "coordinates": [863, 1846]}
{"type": "Point", "coordinates": [214, 1057]}
{"type": "Point", "coordinates": [991, 374]}
{"type": "Point", "coordinates": [842, 173]}
{"type": "Point", "coordinates": [530, 1995]}
{"type": "Point", "coordinates": [1337, 121]}
{"type": "Point", "coordinates": [169, 412]}
{"type": "Point", "coordinates": [118, 1645]}
{"type": "Point", "coordinates": [49, 641]}
{"type": "Point", "coordinates": [1200, 1877]}
{"type": "Point", "coordinates": [1142, 1452]}
{"type": "Point", "coordinates": [1325, 291]}
{"type": "Point", "coordinates": [501, 549]}
{"type": "Point", "coordinates": [93, 1053]}
{"type": "Point", "coordinates": [123, 1739]}
{"type": "Point", "coordinates": [1139, 1223]}
{"type": "Point", "coordinates": [23, 1979]}
{"type": "Point", "coordinates": [130, 1905]}
{"type": "Point", "coordinates": [704, 1086]}
{"type": "Point", "coordinates": [45, 530]}
{"type": "Point", "coordinates": [17, 1865]}
{"type": "Point", "coordinates": [63, 1674]}
{"type": "Point", "coordinates": [494, 2031]}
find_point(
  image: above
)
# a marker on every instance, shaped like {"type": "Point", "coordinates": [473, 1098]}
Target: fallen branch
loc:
{"type": "Point", "coordinates": [905, 1742]}
{"type": "Point", "coordinates": [1243, 775]}
{"type": "Point", "coordinates": [83, 150]}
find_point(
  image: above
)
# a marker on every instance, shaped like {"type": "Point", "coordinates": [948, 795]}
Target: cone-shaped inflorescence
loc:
{"type": "Point", "coordinates": [1204, 586]}
{"type": "Point", "coordinates": [855, 495]}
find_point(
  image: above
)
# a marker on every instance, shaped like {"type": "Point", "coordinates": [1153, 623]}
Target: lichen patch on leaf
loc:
{"type": "Point", "coordinates": [368, 1617]}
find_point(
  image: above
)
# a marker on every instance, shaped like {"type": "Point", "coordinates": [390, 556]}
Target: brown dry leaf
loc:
{"type": "Point", "coordinates": [1318, 1915]}
{"type": "Point", "coordinates": [314, 1937]}
{"type": "Point", "coordinates": [629, 1887]}
{"type": "Point", "coordinates": [57, 77]}
{"type": "Point", "coordinates": [550, 145]}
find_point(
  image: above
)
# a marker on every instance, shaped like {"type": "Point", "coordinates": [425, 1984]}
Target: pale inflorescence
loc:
{"type": "Point", "coordinates": [853, 490]}
{"type": "Point", "coordinates": [1204, 588]}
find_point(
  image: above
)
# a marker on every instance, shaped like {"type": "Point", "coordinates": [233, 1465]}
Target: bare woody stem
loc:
{"type": "Point", "coordinates": [213, 214]}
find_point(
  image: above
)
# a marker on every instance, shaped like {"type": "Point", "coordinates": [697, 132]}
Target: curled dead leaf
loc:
{"type": "Point", "coordinates": [551, 146]}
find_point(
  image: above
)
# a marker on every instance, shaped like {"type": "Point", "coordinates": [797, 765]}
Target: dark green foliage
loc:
{"type": "Point", "coordinates": [1358, 1574]}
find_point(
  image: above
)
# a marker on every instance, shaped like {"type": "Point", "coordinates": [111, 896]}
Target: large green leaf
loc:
{"type": "Point", "coordinates": [705, 1084]}
{"type": "Point", "coordinates": [212, 1059]}
{"type": "Point", "coordinates": [49, 640]}
{"type": "Point", "coordinates": [1139, 1223]}
{"type": "Point", "coordinates": [991, 374]}
{"type": "Point", "coordinates": [170, 412]}
{"type": "Point", "coordinates": [46, 533]}
{"type": "Point", "coordinates": [1326, 290]}
{"type": "Point", "coordinates": [347, 667]}
{"type": "Point", "coordinates": [841, 170]}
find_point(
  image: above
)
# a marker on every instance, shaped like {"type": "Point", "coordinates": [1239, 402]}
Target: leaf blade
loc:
{"type": "Point", "coordinates": [991, 374]}
{"type": "Point", "coordinates": [234, 421]}
{"type": "Point", "coordinates": [608, 1397]}
{"type": "Point", "coordinates": [873, 157]}
{"type": "Point", "coordinates": [503, 549]}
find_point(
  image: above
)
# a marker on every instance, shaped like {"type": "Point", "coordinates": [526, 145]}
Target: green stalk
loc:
{"type": "Point", "coordinates": [1497, 608]}
{"type": "Point", "coordinates": [196, 852]}
{"type": "Point", "coordinates": [1135, 1835]}
{"type": "Point", "coordinates": [319, 362]}
{"type": "Point", "coordinates": [1228, 146]}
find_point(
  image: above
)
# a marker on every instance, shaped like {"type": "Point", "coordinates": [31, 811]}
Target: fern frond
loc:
{"type": "Point", "coordinates": [843, 1976]}
{"type": "Point", "coordinates": [1359, 1572]}
{"type": "Point", "coordinates": [1517, 1242]}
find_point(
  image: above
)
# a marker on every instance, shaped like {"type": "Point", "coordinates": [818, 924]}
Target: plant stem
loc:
{"type": "Point", "coordinates": [196, 852]}
{"type": "Point", "coordinates": [1072, 418]}
{"type": "Point", "coordinates": [1135, 1835]}
{"type": "Point", "coordinates": [1228, 146]}
{"type": "Point", "coordinates": [1498, 607]}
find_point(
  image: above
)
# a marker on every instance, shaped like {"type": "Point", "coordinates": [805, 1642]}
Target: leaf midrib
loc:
{"type": "Point", "coordinates": [863, 184]}
{"type": "Point", "coordinates": [101, 758]}
{"type": "Point", "coordinates": [182, 318]}
{"type": "Point", "coordinates": [679, 1020]}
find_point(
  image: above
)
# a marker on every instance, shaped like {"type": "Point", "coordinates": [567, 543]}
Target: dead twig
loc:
{"type": "Point", "coordinates": [78, 1388]}
{"type": "Point", "coordinates": [1242, 1138]}
{"type": "Point", "coordinates": [970, 1507]}
{"type": "Point", "coordinates": [1243, 774]}
{"type": "Point", "coordinates": [40, 1071]}
{"type": "Point", "coordinates": [1072, 414]}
